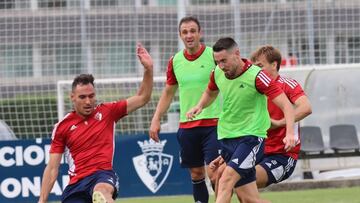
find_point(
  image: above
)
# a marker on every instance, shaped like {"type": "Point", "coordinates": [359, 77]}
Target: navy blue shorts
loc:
{"type": "Point", "coordinates": [278, 167]}
{"type": "Point", "coordinates": [241, 155]}
{"type": "Point", "coordinates": [197, 145]}
{"type": "Point", "coordinates": [81, 192]}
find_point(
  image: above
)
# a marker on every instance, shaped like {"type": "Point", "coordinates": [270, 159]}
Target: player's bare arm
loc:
{"type": "Point", "coordinates": [143, 95]}
{"type": "Point", "coordinates": [163, 105]}
{"type": "Point", "coordinates": [277, 123]}
{"type": "Point", "coordinates": [49, 177]}
{"type": "Point", "coordinates": [206, 99]}
{"type": "Point", "coordinates": [302, 109]}
{"type": "Point", "coordinates": [284, 104]}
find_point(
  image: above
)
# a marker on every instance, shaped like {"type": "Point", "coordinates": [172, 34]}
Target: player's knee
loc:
{"type": "Point", "coordinates": [104, 188]}
{"type": "Point", "coordinates": [226, 181]}
{"type": "Point", "coordinates": [261, 177]}
{"type": "Point", "coordinates": [261, 183]}
{"type": "Point", "coordinates": [197, 176]}
{"type": "Point", "coordinates": [197, 173]}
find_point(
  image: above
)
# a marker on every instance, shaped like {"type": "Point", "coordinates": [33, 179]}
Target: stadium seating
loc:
{"type": "Point", "coordinates": [315, 157]}
{"type": "Point", "coordinates": [311, 140]}
{"type": "Point", "coordinates": [343, 137]}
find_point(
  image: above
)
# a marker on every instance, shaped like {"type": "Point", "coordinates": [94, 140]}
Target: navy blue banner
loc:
{"type": "Point", "coordinates": [22, 164]}
{"type": "Point", "coordinates": [145, 168]}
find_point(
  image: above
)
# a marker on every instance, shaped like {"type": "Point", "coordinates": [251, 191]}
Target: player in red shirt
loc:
{"type": "Point", "coordinates": [278, 164]}
{"type": "Point", "coordinates": [86, 136]}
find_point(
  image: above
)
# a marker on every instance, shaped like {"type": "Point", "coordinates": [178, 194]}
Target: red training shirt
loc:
{"type": "Point", "coordinates": [274, 143]}
{"type": "Point", "coordinates": [88, 142]}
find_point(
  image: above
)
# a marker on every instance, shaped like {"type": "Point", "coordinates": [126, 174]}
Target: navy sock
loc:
{"type": "Point", "coordinates": [200, 191]}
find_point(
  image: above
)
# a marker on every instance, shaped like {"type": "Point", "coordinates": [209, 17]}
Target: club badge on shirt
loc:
{"type": "Point", "coordinates": [98, 116]}
{"type": "Point", "coordinates": [73, 127]}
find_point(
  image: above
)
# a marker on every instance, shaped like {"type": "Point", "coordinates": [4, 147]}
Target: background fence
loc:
{"type": "Point", "coordinates": [331, 89]}
{"type": "Point", "coordinates": [44, 41]}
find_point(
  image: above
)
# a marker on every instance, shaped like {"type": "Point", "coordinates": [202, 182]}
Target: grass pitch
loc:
{"type": "Point", "coordinates": [330, 195]}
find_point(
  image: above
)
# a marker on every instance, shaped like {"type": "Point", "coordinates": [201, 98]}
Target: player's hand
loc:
{"type": "Point", "coordinates": [154, 130]}
{"type": "Point", "coordinates": [193, 112]}
{"type": "Point", "coordinates": [144, 57]}
{"type": "Point", "coordinates": [289, 141]}
{"type": "Point", "coordinates": [216, 163]}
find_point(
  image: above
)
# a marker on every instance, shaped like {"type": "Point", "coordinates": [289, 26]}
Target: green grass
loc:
{"type": "Point", "coordinates": [336, 195]}
{"type": "Point", "coordinates": [331, 195]}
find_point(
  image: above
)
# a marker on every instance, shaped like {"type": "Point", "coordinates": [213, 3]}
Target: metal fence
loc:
{"type": "Point", "coordinates": [44, 41]}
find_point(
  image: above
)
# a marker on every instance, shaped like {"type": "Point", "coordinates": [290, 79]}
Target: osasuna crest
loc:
{"type": "Point", "coordinates": [153, 166]}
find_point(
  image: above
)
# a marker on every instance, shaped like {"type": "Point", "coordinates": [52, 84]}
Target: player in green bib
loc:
{"type": "Point", "coordinates": [189, 71]}
{"type": "Point", "coordinates": [244, 119]}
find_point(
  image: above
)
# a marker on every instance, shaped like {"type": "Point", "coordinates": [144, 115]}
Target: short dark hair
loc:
{"type": "Point", "coordinates": [83, 79]}
{"type": "Point", "coordinates": [189, 19]}
{"type": "Point", "coordinates": [271, 54]}
{"type": "Point", "coordinates": [225, 43]}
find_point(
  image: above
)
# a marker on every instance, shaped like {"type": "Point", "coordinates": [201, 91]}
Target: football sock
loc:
{"type": "Point", "coordinates": [200, 191]}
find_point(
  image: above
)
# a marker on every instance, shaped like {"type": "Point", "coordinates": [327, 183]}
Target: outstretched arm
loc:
{"type": "Point", "coordinates": [49, 177]}
{"type": "Point", "coordinates": [206, 99]}
{"type": "Point", "coordinates": [144, 93]}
